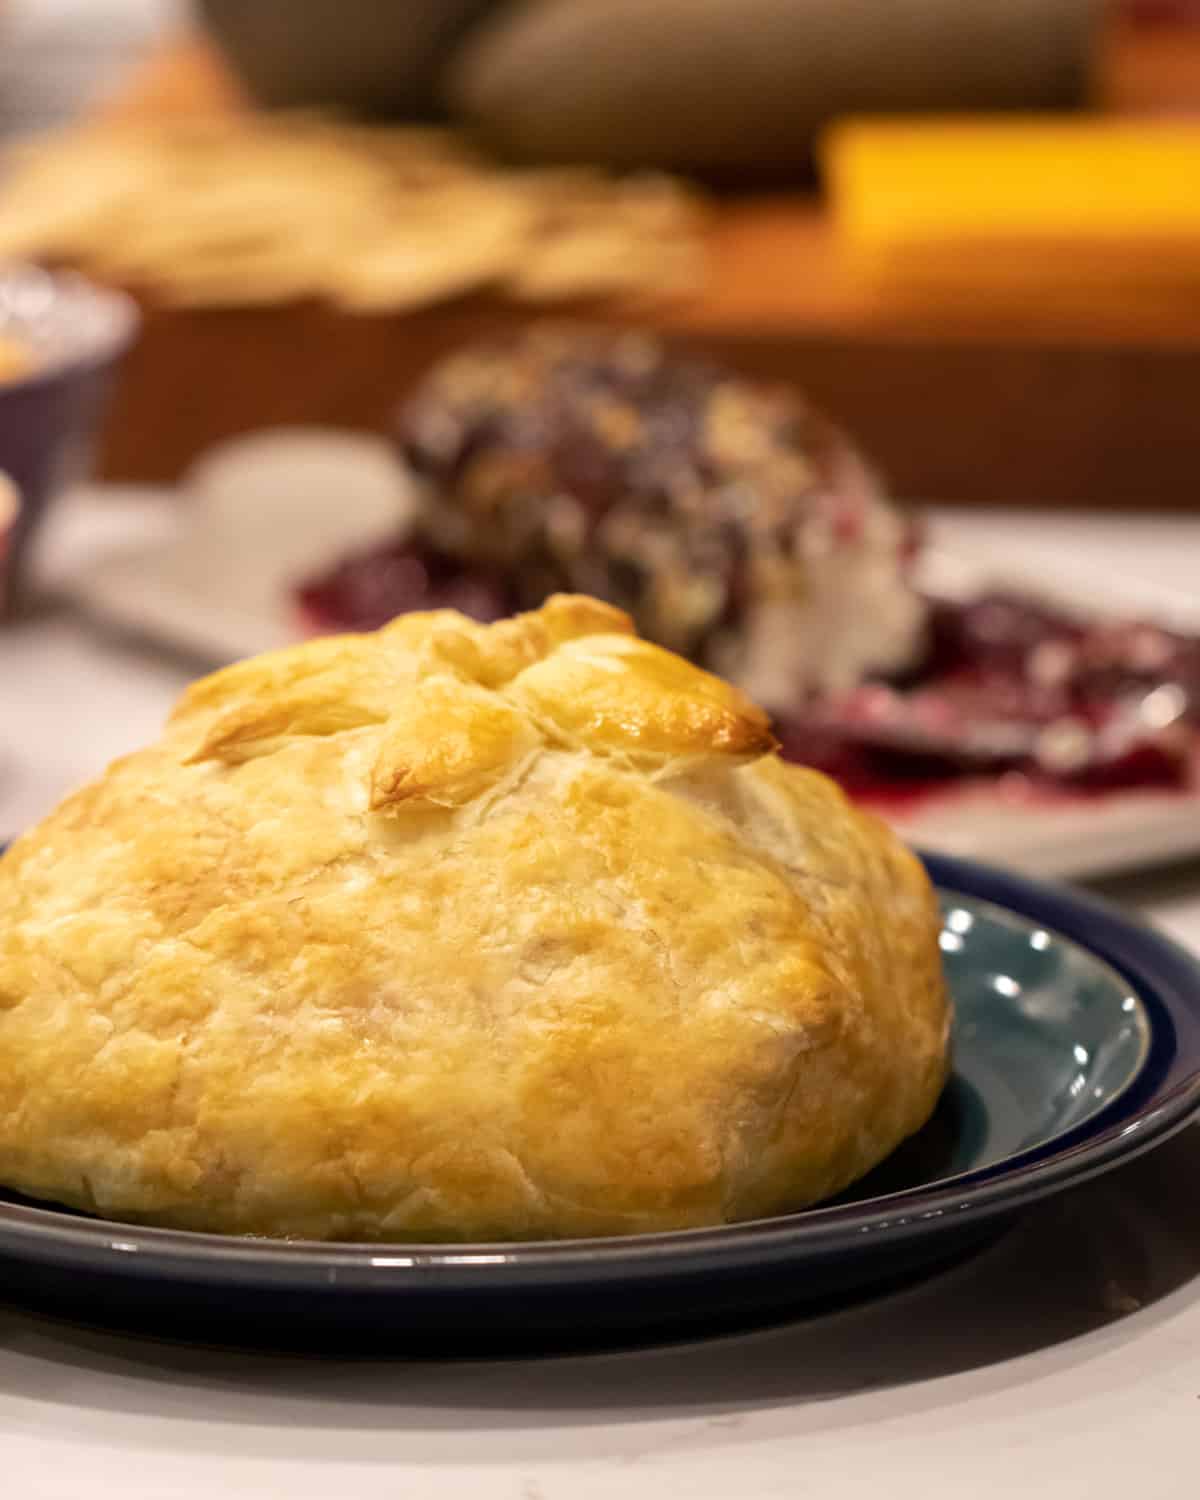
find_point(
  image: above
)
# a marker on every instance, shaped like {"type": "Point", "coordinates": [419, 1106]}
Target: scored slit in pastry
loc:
{"type": "Point", "coordinates": [462, 932]}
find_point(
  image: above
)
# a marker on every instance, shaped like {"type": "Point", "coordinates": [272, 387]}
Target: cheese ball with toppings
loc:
{"type": "Point", "coordinates": [734, 522]}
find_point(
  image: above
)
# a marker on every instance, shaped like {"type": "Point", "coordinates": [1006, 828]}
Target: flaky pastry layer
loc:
{"type": "Point", "coordinates": [462, 932]}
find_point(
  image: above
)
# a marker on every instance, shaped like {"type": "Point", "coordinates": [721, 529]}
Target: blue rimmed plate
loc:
{"type": "Point", "coordinates": [1077, 1045]}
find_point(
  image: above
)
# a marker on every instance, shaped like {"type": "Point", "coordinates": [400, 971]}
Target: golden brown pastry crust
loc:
{"type": "Point", "coordinates": [462, 932]}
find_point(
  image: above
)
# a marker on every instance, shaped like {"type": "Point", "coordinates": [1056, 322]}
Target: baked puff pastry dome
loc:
{"type": "Point", "coordinates": [462, 932]}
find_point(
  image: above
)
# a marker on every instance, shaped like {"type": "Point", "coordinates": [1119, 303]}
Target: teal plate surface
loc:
{"type": "Point", "coordinates": [1046, 1037]}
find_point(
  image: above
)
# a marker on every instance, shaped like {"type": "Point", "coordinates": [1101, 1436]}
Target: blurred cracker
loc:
{"type": "Point", "coordinates": [57, 194]}
{"type": "Point", "coordinates": [449, 243]}
{"type": "Point", "coordinates": [604, 262]}
{"type": "Point", "coordinates": [598, 238]}
{"type": "Point", "coordinates": [243, 209]}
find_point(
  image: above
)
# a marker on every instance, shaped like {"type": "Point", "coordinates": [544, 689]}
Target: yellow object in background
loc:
{"type": "Point", "coordinates": [981, 206]}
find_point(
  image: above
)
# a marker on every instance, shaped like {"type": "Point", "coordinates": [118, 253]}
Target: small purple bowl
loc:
{"type": "Point", "coordinates": [75, 333]}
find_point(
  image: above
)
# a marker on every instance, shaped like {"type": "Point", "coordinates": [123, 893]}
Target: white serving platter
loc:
{"type": "Point", "coordinates": [211, 577]}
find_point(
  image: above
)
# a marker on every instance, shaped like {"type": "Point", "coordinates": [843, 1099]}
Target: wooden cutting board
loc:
{"type": "Point", "coordinates": [1064, 403]}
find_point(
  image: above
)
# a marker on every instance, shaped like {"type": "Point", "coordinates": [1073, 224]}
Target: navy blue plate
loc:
{"type": "Point", "coordinates": [1077, 1046]}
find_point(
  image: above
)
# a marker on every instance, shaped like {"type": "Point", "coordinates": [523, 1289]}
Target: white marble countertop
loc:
{"type": "Point", "coordinates": [1064, 1360]}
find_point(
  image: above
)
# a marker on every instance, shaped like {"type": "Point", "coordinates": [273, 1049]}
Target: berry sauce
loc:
{"type": "Point", "coordinates": [1006, 690]}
